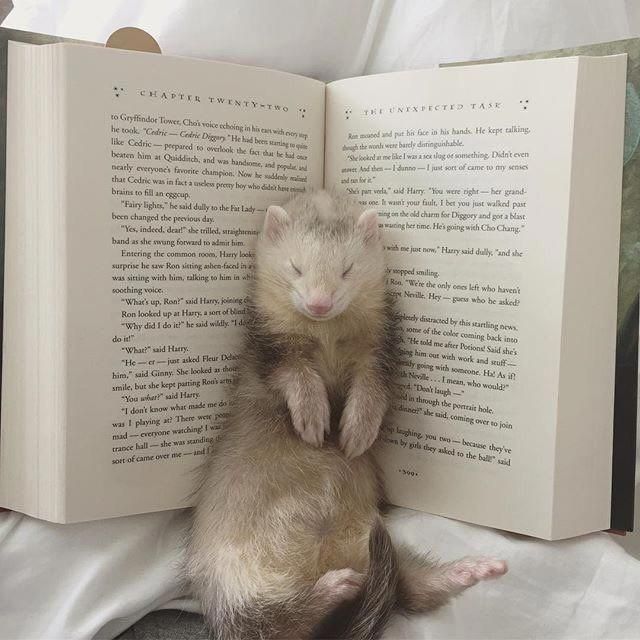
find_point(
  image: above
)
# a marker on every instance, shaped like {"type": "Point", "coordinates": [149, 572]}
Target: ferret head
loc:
{"type": "Point", "coordinates": [317, 256]}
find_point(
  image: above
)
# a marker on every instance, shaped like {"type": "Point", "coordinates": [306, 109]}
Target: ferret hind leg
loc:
{"type": "Point", "coordinates": [293, 617]}
{"type": "Point", "coordinates": [425, 585]}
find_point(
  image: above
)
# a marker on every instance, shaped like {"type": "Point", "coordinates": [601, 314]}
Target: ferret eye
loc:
{"type": "Point", "coordinates": [293, 266]}
{"type": "Point", "coordinates": [345, 273]}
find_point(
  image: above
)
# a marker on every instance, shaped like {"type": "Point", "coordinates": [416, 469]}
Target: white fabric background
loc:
{"type": "Point", "coordinates": [95, 579]}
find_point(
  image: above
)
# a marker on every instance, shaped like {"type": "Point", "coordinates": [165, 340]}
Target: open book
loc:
{"type": "Point", "coordinates": [136, 185]}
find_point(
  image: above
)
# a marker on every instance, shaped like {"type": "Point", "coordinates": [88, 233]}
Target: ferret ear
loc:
{"type": "Point", "coordinates": [275, 222]}
{"type": "Point", "coordinates": [368, 223]}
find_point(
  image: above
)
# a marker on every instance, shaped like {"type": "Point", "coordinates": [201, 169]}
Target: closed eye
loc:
{"type": "Point", "coordinates": [293, 266]}
{"type": "Point", "coordinates": [345, 273]}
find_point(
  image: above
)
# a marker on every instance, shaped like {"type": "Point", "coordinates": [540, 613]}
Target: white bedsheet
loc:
{"type": "Point", "coordinates": [95, 579]}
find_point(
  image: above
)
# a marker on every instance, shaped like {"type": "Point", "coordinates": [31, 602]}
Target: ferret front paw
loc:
{"type": "Point", "coordinates": [360, 423]}
{"type": "Point", "coordinates": [310, 413]}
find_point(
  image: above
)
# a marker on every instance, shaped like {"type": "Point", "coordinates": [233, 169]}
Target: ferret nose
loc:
{"type": "Point", "coordinates": [319, 304]}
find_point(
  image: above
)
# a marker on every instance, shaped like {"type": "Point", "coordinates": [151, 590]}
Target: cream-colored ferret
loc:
{"type": "Point", "coordinates": [287, 539]}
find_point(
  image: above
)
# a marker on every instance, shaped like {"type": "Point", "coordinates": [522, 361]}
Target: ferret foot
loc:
{"type": "Point", "coordinates": [466, 572]}
{"type": "Point", "coordinates": [339, 585]}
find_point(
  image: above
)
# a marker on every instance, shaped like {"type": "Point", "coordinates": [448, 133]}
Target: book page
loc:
{"type": "Point", "coordinates": [171, 163]}
{"type": "Point", "coordinates": [626, 394]}
{"type": "Point", "coordinates": [470, 170]}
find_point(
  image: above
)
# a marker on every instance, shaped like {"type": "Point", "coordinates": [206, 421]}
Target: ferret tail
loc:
{"type": "Point", "coordinates": [378, 597]}
{"type": "Point", "coordinates": [366, 617]}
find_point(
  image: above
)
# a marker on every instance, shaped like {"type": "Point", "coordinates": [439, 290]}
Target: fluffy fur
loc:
{"type": "Point", "coordinates": [287, 538]}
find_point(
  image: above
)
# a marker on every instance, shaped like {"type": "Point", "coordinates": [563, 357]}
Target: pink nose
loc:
{"type": "Point", "coordinates": [319, 304]}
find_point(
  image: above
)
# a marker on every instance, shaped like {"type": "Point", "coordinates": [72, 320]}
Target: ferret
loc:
{"type": "Point", "coordinates": [287, 538]}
